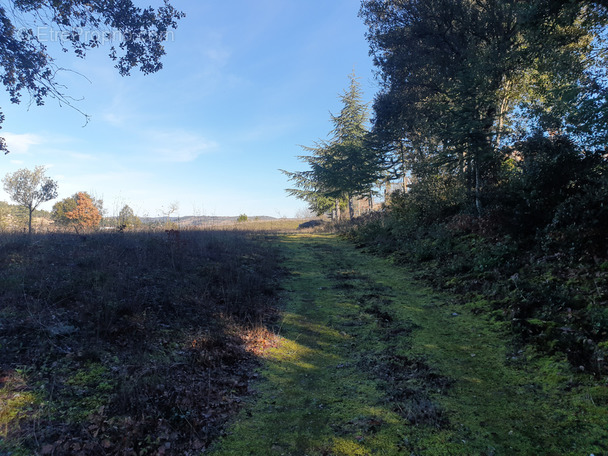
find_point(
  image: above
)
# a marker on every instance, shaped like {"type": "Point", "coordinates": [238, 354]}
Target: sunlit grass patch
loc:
{"type": "Point", "coordinates": [92, 386]}
{"type": "Point", "coordinates": [293, 353]}
{"type": "Point", "coordinates": [277, 225]}
{"type": "Point", "coordinates": [314, 399]}
{"type": "Point", "coordinates": [399, 369]}
{"type": "Point", "coordinates": [348, 447]}
{"type": "Point", "coordinates": [17, 402]}
{"type": "Point", "coordinates": [259, 340]}
{"type": "Point", "coordinates": [499, 402]}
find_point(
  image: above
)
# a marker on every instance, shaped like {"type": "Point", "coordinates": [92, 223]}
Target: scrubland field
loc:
{"type": "Point", "coordinates": [268, 340]}
{"type": "Point", "coordinates": [129, 343]}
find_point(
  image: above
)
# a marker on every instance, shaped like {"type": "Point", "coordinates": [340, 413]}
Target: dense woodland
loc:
{"type": "Point", "coordinates": [495, 114]}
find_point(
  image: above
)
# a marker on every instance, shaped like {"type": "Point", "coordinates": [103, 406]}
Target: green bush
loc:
{"type": "Point", "coordinates": [579, 222]}
{"type": "Point", "coordinates": [429, 199]}
{"type": "Point", "coordinates": [537, 255]}
{"type": "Point", "coordinates": [547, 173]}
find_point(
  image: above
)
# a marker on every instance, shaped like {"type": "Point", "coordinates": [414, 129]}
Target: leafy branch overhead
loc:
{"type": "Point", "coordinates": [136, 36]}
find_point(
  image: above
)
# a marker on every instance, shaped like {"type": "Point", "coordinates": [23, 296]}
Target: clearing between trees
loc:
{"type": "Point", "coordinates": [242, 343]}
{"type": "Point", "coordinates": [371, 362]}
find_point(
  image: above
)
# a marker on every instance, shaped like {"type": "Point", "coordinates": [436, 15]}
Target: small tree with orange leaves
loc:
{"type": "Point", "coordinates": [85, 216]}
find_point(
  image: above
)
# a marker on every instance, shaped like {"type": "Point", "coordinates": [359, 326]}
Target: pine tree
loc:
{"type": "Point", "coordinates": [343, 167]}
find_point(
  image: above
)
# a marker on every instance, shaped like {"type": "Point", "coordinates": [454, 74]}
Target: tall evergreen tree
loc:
{"type": "Point", "coordinates": [343, 167]}
{"type": "Point", "coordinates": [310, 187]}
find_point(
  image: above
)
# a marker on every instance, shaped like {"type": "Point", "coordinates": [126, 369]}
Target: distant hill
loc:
{"type": "Point", "coordinates": [202, 220]}
{"type": "Point", "coordinates": [12, 215]}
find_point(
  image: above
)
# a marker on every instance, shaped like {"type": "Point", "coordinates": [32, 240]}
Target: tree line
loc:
{"type": "Point", "coordinates": [137, 35]}
{"type": "Point", "coordinates": [484, 106]}
{"type": "Point", "coordinates": [496, 112]}
{"type": "Point", "coordinates": [343, 167]}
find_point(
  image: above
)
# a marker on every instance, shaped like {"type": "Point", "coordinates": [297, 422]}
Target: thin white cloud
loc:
{"type": "Point", "coordinates": [104, 183]}
{"type": "Point", "coordinates": [81, 156]}
{"type": "Point", "coordinates": [20, 144]}
{"type": "Point", "coordinates": [113, 118]}
{"type": "Point", "coordinates": [210, 68]}
{"type": "Point", "coordinates": [267, 129]}
{"type": "Point", "coordinates": [217, 56]}
{"type": "Point", "coordinates": [215, 51]}
{"type": "Point", "coordinates": [177, 146]}
{"type": "Point", "coordinates": [119, 113]}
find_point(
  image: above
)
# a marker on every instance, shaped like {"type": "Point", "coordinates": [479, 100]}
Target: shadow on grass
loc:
{"type": "Point", "coordinates": [319, 396]}
{"type": "Point", "coordinates": [370, 362]}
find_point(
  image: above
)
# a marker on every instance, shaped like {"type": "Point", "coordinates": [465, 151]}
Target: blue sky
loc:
{"type": "Point", "coordinates": [244, 83]}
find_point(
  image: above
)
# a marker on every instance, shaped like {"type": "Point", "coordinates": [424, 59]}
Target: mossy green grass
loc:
{"type": "Point", "coordinates": [372, 362]}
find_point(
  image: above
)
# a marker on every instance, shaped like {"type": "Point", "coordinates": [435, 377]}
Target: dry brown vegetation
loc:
{"type": "Point", "coordinates": [129, 343]}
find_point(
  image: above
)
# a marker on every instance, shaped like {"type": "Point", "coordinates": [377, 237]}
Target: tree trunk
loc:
{"type": "Point", "coordinates": [31, 211]}
{"type": "Point", "coordinates": [371, 201]}
{"type": "Point", "coordinates": [502, 109]}
{"type": "Point", "coordinates": [404, 179]}
{"type": "Point", "coordinates": [337, 210]}
{"type": "Point", "coordinates": [478, 205]}
{"type": "Point", "coordinates": [500, 124]}
{"type": "Point", "coordinates": [351, 209]}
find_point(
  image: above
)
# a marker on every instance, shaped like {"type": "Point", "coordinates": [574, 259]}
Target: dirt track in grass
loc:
{"type": "Point", "coordinates": [371, 362]}
{"type": "Point", "coordinates": [199, 342]}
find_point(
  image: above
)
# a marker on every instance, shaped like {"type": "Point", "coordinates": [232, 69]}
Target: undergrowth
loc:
{"type": "Point", "coordinates": [535, 252]}
{"type": "Point", "coordinates": [554, 298]}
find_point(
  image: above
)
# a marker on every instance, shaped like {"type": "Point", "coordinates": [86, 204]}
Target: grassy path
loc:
{"type": "Point", "coordinates": [372, 363]}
